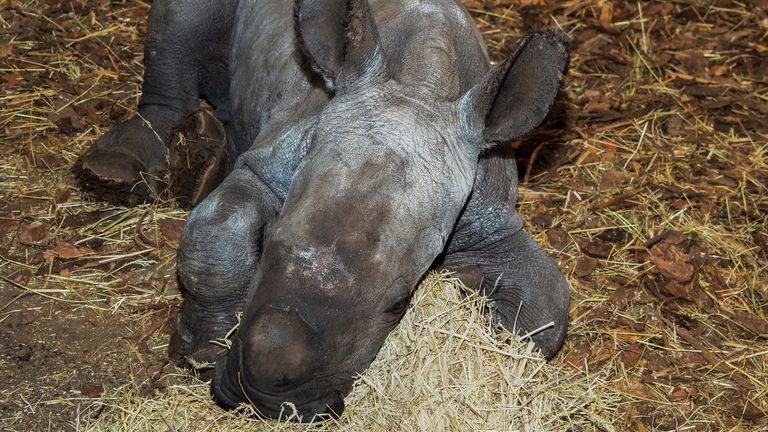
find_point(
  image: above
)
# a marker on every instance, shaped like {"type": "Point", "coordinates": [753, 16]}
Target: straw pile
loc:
{"type": "Point", "coordinates": [442, 369]}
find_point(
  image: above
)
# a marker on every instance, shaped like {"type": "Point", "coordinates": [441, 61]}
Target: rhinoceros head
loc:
{"type": "Point", "coordinates": [389, 169]}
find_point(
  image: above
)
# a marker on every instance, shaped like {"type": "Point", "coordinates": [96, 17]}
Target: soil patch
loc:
{"type": "Point", "coordinates": [57, 359]}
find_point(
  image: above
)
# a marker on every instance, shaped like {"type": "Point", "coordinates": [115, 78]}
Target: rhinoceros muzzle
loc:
{"type": "Point", "coordinates": [274, 366]}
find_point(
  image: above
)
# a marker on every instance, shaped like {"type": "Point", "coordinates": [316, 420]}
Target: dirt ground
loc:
{"type": "Point", "coordinates": [648, 186]}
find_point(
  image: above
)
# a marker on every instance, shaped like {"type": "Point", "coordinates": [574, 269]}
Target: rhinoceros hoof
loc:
{"type": "Point", "coordinates": [112, 176]}
{"type": "Point", "coordinates": [197, 158]}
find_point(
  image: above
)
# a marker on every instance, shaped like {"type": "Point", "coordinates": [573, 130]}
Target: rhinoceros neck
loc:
{"type": "Point", "coordinates": [266, 73]}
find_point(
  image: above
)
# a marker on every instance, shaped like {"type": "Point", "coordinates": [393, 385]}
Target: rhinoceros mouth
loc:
{"type": "Point", "coordinates": [284, 408]}
{"type": "Point", "coordinates": [232, 388]}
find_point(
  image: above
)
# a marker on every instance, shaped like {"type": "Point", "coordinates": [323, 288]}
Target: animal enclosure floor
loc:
{"type": "Point", "coordinates": [55, 356]}
{"type": "Point", "coordinates": [648, 186]}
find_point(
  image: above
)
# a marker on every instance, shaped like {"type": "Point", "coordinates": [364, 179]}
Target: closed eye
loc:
{"type": "Point", "coordinates": [399, 307]}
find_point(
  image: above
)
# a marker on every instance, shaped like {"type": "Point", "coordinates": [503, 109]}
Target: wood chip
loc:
{"type": "Point", "coordinates": [671, 262]}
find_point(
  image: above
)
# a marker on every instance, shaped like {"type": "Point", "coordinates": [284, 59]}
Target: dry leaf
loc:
{"type": "Point", "coordinates": [171, 230]}
{"type": "Point", "coordinates": [679, 394]}
{"type": "Point", "coordinates": [761, 239]}
{"type": "Point", "coordinates": [66, 250]}
{"type": "Point", "coordinates": [557, 238]}
{"type": "Point", "coordinates": [544, 219]}
{"type": "Point", "coordinates": [606, 18]}
{"type": "Point", "coordinates": [632, 356]}
{"type": "Point", "coordinates": [34, 234]}
{"type": "Point", "coordinates": [613, 235]}
{"type": "Point", "coordinates": [67, 120]}
{"type": "Point", "coordinates": [585, 266]}
{"type": "Point", "coordinates": [680, 290]}
{"type": "Point", "coordinates": [92, 390]}
{"type": "Point", "coordinates": [614, 179]}
{"type": "Point", "coordinates": [5, 49]}
{"type": "Point", "coordinates": [62, 195]}
{"type": "Point", "coordinates": [12, 78]}
{"type": "Point", "coordinates": [585, 354]}
{"type": "Point", "coordinates": [596, 249]}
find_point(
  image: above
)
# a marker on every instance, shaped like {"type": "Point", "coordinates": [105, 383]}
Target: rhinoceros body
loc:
{"type": "Point", "coordinates": [363, 147]}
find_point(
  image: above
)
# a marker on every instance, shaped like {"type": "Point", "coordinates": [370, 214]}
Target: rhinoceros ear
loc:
{"type": "Point", "coordinates": [341, 41]}
{"type": "Point", "coordinates": [516, 96]}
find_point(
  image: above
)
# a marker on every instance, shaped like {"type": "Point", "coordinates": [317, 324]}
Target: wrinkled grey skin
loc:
{"type": "Point", "coordinates": [369, 152]}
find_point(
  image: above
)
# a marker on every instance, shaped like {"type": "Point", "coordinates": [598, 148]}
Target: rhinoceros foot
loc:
{"type": "Point", "coordinates": [197, 158]}
{"type": "Point", "coordinates": [198, 341]}
{"type": "Point", "coordinates": [111, 177]}
{"type": "Point", "coordinates": [126, 165]}
{"type": "Point", "coordinates": [202, 360]}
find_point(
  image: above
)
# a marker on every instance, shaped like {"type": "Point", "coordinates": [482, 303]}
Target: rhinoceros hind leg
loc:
{"type": "Point", "coordinates": [197, 158]}
{"type": "Point", "coordinates": [186, 58]}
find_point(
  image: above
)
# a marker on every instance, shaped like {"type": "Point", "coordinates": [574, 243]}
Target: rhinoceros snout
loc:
{"type": "Point", "coordinates": [277, 349]}
{"type": "Point", "coordinates": [273, 362]}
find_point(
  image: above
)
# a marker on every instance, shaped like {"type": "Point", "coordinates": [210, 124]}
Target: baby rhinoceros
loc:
{"type": "Point", "coordinates": [362, 144]}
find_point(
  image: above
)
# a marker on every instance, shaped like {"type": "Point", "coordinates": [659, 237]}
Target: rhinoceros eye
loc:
{"type": "Point", "coordinates": [399, 307]}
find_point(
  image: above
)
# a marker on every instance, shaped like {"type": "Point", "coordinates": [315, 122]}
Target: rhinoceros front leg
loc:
{"type": "Point", "coordinates": [491, 252]}
{"type": "Point", "coordinates": [219, 250]}
{"type": "Point", "coordinates": [528, 294]}
{"type": "Point", "coordinates": [185, 57]}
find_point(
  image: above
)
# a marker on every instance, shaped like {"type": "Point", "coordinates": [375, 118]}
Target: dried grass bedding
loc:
{"type": "Point", "coordinates": [443, 368]}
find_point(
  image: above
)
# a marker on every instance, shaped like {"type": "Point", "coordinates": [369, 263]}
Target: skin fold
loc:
{"type": "Point", "coordinates": [364, 146]}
